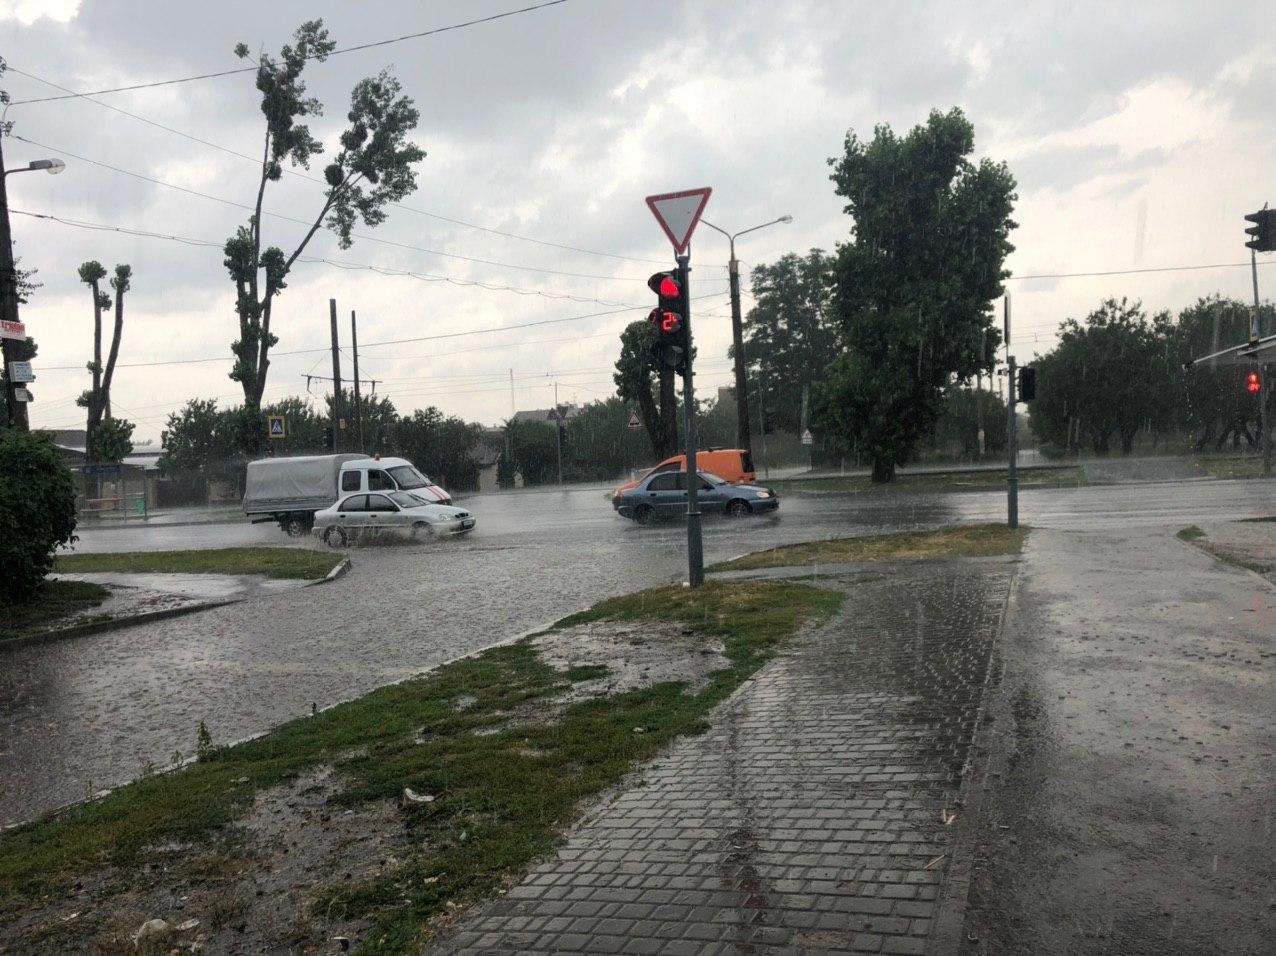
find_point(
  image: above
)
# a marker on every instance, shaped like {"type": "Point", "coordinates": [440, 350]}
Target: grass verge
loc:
{"type": "Point", "coordinates": [1194, 535]}
{"type": "Point", "coordinates": [1066, 476]}
{"type": "Point", "coordinates": [1190, 533]}
{"type": "Point", "coordinates": [54, 601]}
{"type": "Point", "coordinates": [1249, 466]}
{"type": "Point", "coordinates": [964, 541]}
{"type": "Point", "coordinates": [504, 788]}
{"type": "Point", "coordinates": [271, 562]}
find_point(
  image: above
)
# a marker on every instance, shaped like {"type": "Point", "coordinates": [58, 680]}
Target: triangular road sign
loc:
{"type": "Point", "coordinates": [678, 214]}
{"type": "Point", "coordinates": [633, 421]}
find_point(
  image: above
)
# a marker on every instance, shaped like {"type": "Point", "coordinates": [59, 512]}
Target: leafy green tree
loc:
{"type": "Point", "coordinates": [37, 511]}
{"type": "Point", "coordinates": [533, 451]}
{"type": "Point", "coordinates": [304, 427]}
{"type": "Point", "coordinates": [965, 410]}
{"type": "Point", "coordinates": [1107, 378]}
{"type": "Point", "coordinates": [204, 441]}
{"type": "Point", "coordinates": [913, 288]}
{"type": "Point", "coordinates": [372, 169]}
{"type": "Point", "coordinates": [649, 385]}
{"type": "Point", "coordinates": [113, 440]}
{"type": "Point", "coordinates": [379, 421]}
{"type": "Point", "coordinates": [98, 398]}
{"type": "Point", "coordinates": [26, 284]}
{"type": "Point", "coordinates": [442, 446]}
{"type": "Point", "coordinates": [599, 445]}
{"type": "Point", "coordinates": [790, 335]}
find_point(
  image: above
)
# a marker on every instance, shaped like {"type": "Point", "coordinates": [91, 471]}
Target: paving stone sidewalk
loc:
{"type": "Point", "coordinates": [809, 818]}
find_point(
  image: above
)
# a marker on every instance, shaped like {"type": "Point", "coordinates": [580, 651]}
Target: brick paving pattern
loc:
{"type": "Point", "coordinates": [808, 818]}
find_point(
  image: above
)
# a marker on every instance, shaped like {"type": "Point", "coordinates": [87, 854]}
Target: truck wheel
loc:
{"type": "Point", "coordinates": [644, 514]}
{"type": "Point", "coordinates": [295, 526]}
{"type": "Point", "coordinates": [336, 537]}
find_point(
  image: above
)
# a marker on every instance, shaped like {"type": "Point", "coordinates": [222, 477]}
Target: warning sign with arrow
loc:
{"type": "Point", "coordinates": [633, 421]}
{"type": "Point", "coordinates": [277, 427]}
{"type": "Point", "coordinates": [678, 213]}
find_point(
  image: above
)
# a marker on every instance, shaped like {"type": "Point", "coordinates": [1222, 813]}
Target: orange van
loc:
{"type": "Point", "coordinates": [734, 465]}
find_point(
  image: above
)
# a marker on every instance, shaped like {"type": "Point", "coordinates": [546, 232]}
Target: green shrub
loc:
{"type": "Point", "coordinates": [37, 510]}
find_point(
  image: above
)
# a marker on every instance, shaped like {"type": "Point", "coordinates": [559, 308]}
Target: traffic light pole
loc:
{"type": "Point", "coordinates": [1012, 448]}
{"type": "Point", "coordinates": [695, 549]}
{"type": "Point", "coordinates": [1264, 380]}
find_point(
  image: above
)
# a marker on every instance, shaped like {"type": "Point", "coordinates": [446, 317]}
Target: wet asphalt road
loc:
{"type": "Point", "coordinates": [83, 714]}
{"type": "Point", "coordinates": [1131, 782]}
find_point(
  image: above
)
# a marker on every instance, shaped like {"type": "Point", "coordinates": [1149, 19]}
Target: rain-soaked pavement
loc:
{"type": "Point", "coordinates": [1127, 806]}
{"type": "Point", "coordinates": [89, 713]}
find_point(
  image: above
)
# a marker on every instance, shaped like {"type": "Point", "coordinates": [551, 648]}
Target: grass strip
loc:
{"type": "Point", "coordinates": [1067, 476]}
{"type": "Point", "coordinates": [271, 562]}
{"type": "Point", "coordinates": [504, 789]}
{"type": "Point", "coordinates": [963, 541]}
{"type": "Point", "coordinates": [51, 603]}
{"type": "Point", "coordinates": [1249, 466]}
{"type": "Point", "coordinates": [1194, 535]}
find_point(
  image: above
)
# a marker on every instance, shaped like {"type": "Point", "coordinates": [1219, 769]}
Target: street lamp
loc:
{"type": "Point", "coordinates": [16, 412]}
{"type": "Point", "coordinates": [737, 331]}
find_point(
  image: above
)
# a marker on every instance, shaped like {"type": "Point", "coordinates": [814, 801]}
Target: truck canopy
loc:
{"type": "Point", "coordinates": [306, 483]}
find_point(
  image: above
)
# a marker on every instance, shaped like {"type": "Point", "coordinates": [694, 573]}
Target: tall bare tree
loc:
{"type": "Point", "coordinates": [372, 169]}
{"type": "Point", "coordinates": [98, 398]}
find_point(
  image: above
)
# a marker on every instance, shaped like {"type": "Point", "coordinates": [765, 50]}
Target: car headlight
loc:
{"type": "Point", "coordinates": [764, 494]}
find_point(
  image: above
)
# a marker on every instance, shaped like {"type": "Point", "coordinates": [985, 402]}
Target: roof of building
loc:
{"type": "Point", "coordinates": [568, 412]}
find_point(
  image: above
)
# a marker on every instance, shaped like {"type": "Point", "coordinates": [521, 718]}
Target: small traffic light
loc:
{"type": "Point", "coordinates": [670, 345]}
{"type": "Point", "coordinates": [1027, 384]}
{"type": "Point", "coordinates": [327, 436]}
{"type": "Point", "coordinates": [1263, 230]}
{"type": "Point", "coordinates": [1252, 383]}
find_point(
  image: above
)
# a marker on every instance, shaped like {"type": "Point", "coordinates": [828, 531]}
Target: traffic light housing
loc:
{"type": "Point", "coordinates": [1253, 385]}
{"type": "Point", "coordinates": [1263, 231]}
{"type": "Point", "coordinates": [1026, 387]}
{"type": "Point", "coordinates": [670, 347]}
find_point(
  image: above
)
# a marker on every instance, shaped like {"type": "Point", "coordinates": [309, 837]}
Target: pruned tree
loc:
{"type": "Point", "coordinates": [98, 398]}
{"type": "Point", "coordinates": [643, 381]}
{"type": "Point", "coordinates": [371, 170]}
{"type": "Point", "coordinates": [913, 287]}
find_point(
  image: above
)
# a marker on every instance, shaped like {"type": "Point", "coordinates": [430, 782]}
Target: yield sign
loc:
{"type": "Point", "coordinates": [678, 214]}
{"type": "Point", "coordinates": [633, 421]}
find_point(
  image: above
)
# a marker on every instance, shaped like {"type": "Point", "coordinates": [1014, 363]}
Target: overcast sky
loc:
{"type": "Point", "coordinates": [1137, 134]}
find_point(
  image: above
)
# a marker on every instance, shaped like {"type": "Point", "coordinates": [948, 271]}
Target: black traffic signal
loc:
{"type": "Point", "coordinates": [1263, 230]}
{"type": "Point", "coordinates": [1027, 384]}
{"type": "Point", "coordinates": [1252, 383]}
{"type": "Point", "coordinates": [666, 319]}
{"type": "Point", "coordinates": [327, 437]}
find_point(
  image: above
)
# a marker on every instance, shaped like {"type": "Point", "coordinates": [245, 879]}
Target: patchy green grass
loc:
{"type": "Point", "coordinates": [963, 541]}
{"type": "Point", "coordinates": [1190, 533]}
{"type": "Point", "coordinates": [1194, 535]}
{"type": "Point", "coordinates": [271, 562]}
{"type": "Point", "coordinates": [52, 603]}
{"type": "Point", "coordinates": [1065, 476]}
{"type": "Point", "coordinates": [505, 788]}
{"type": "Point", "coordinates": [1247, 466]}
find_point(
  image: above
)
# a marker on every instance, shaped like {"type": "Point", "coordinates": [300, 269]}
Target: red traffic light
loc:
{"type": "Point", "coordinates": [665, 322]}
{"type": "Point", "coordinates": [1252, 384]}
{"type": "Point", "coordinates": [665, 285]}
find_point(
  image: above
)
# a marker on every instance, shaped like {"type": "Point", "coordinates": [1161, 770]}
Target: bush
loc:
{"type": "Point", "coordinates": [37, 511]}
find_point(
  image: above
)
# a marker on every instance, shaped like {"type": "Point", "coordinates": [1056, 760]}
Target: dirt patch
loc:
{"type": "Point", "coordinates": [636, 655]}
{"type": "Point", "coordinates": [252, 892]}
{"type": "Point", "coordinates": [1247, 544]}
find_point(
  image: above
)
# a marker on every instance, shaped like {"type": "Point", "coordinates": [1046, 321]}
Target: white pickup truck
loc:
{"type": "Point", "coordinates": [291, 490]}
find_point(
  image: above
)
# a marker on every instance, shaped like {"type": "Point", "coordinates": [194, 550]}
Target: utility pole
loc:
{"type": "Point", "coordinates": [1012, 438]}
{"type": "Point", "coordinates": [15, 411]}
{"type": "Point", "coordinates": [358, 403]}
{"type": "Point", "coordinates": [558, 433]}
{"type": "Point", "coordinates": [1264, 379]}
{"type": "Point", "coordinates": [338, 415]}
{"type": "Point", "coordinates": [695, 546]}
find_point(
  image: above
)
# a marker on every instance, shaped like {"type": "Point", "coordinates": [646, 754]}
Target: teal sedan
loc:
{"type": "Point", "coordinates": [664, 495]}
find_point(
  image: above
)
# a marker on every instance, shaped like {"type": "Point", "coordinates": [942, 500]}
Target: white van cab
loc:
{"type": "Point", "coordinates": [390, 474]}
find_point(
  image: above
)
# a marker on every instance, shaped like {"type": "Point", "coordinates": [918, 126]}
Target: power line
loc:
{"type": "Point", "coordinates": [303, 222]}
{"type": "Point", "coordinates": [313, 56]}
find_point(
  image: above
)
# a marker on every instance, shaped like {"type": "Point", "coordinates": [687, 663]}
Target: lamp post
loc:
{"type": "Point", "coordinates": [16, 411]}
{"type": "Point", "coordinates": [737, 331]}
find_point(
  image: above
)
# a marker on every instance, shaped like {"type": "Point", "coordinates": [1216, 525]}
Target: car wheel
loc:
{"type": "Point", "coordinates": [422, 531]}
{"type": "Point", "coordinates": [738, 508]}
{"type": "Point", "coordinates": [295, 526]}
{"type": "Point", "coordinates": [336, 537]}
{"type": "Point", "coordinates": [644, 514]}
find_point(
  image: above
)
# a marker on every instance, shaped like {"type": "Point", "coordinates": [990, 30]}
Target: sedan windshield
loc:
{"type": "Point", "coordinates": [408, 477]}
{"type": "Point", "coordinates": [406, 499]}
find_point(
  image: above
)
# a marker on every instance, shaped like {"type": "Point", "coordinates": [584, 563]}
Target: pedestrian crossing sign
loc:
{"type": "Point", "coordinates": [277, 427]}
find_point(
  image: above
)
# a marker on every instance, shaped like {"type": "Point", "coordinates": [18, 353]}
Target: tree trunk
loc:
{"type": "Point", "coordinates": [116, 334]}
{"type": "Point", "coordinates": [883, 471]}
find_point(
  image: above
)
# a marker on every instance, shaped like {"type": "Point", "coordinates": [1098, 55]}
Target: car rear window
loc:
{"type": "Point", "coordinates": [747, 461]}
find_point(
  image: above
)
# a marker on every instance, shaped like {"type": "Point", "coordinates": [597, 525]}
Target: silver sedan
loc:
{"type": "Point", "coordinates": [397, 513]}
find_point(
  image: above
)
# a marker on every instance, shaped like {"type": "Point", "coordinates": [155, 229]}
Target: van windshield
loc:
{"type": "Point", "coordinates": [405, 499]}
{"type": "Point", "coordinates": [407, 477]}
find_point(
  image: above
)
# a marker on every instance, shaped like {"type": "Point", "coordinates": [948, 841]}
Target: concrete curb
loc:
{"type": "Point", "coordinates": [113, 624]}
{"type": "Point", "coordinates": [950, 916]}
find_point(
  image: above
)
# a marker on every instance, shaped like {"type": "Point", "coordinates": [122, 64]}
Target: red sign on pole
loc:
{"type": "Point", "coordinates": [678, 214]}
{"type": "Point", "coordinates": [12, 330]}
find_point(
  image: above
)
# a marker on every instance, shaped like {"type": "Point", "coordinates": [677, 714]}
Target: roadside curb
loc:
{"type": "Point", "coordinates": [114, 624]}
{"type": "Point", "coordinates": [340, 570]}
